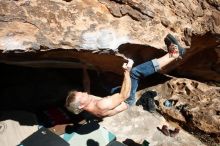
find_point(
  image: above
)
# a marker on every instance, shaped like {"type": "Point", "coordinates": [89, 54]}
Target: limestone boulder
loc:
{"type": "Point", "coordinates": [105, 32]}
{"type": "Point", "coordinates": [192, 104]}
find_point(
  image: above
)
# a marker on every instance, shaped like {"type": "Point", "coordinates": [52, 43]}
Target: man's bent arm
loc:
{"type": "Point", "coordinates": [121, 107]}
{"type": "Point", "coordinates": [116, 99]}
{"type": "Point", "coordinates": [126, 86]}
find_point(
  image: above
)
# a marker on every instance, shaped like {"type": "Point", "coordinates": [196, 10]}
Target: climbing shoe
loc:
{"type": "Point", "coordinates": [174, 46]}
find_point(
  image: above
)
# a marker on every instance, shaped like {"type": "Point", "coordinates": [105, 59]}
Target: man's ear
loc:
{"type": "Point", "coordinates": [81, 106]}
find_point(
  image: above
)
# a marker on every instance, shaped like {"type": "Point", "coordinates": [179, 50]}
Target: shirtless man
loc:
{"type": "Point", "coordinates": [101, 107]}
{"type": "Point", "coordinates": [111, 105]}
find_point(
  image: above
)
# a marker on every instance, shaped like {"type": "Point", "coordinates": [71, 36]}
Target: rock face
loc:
{"type": "Point", "coordinates": [83, 29]}
{"type": "Point", "coordinates": [105, 32]}
{"type": "Point", "coordinates": [193, 104]}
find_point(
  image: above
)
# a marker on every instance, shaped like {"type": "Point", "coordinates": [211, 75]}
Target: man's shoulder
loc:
{"type": "Point", "coordinates": [106, 101]}
{"type": "Point", "coordinates": [96, 97]}
{"type": "Point", "coordinates": [99, 98]}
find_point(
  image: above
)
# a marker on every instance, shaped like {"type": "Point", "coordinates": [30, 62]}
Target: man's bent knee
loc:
{"type": "Point", "coordinates": [135, 73]}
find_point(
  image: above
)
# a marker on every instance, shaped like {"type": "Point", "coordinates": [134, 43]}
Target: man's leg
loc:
{"type": "Point", "coordinates": [139, 72]}
{"type": "Point", "coordinates": [145, 69]}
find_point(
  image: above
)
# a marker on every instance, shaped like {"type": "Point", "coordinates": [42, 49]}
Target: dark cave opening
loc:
{"type": "Point", "coordinates": [33, 88]}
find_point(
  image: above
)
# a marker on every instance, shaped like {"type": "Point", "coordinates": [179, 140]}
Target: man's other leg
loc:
{"type": "Point", "coordinates": [139, 72]}
{"type": "Point", "coordinates": [143, 70]}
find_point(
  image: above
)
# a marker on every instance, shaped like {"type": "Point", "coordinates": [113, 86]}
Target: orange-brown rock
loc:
{"type": "Point", "coordinates": [106, 32]}
{"type": "Point", "coordinates": [193, 104]}
{"type": "Point", "coordinates": [89, 30]}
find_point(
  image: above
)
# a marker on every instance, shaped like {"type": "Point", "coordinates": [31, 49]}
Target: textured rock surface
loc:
{"type": "Point", "coordinates": [136, 125]}
{"type": "Point", "coordinates": [193, 104]}
{"type": "Point", "coordinates": [101, 26]}
{"type": "Point", "coordinates": [105, 32]}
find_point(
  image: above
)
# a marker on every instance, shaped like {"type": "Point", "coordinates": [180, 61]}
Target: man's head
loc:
{"type": "Point", "coordinates": [76, 101]}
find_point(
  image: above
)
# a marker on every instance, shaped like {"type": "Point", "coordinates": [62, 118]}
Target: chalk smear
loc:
{"type": "Point", "coordinates": [102, 39]}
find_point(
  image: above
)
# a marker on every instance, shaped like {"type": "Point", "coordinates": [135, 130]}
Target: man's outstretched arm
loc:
{"type": "Point", "coordinates": [115, 100]}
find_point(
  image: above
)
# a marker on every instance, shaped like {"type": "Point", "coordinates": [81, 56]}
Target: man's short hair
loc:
{"type": "Point", "coordinates": [71, 104]}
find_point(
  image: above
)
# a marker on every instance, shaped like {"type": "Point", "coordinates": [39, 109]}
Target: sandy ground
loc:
{"type": "Point", "coordinates": [131, 127]}
{"type": "Point", "coordinates": [136, 125]}
{"type": "Point", "coordinates": [15, 126]}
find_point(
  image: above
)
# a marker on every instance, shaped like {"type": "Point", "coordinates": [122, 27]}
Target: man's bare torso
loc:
{"type": "Point", "coordinates": [94, 107]}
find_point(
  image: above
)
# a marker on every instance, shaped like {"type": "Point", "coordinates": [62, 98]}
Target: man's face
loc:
{"type": "Point", "coordinates": [82, 97]}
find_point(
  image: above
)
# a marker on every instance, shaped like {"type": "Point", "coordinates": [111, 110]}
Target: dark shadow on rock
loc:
{"type": "Point", "coordinates": [72, 128]}
{"type": "Point", "coordinates": [90, 117]}
{"type": "Point", "coordinates": [130, 142]}
{"type": "Point", "coordinates": [23, 117]}
{"type": "Point", "coordinates": [37, 91]}
{"type": "Point", "coordinates": [153, 80]}
{"type": "Point", "coordinates": [83, 129]}
{"type": "Point", "coordinates": [57, 116]}
{"type": "Point", "coordinates": [116, 143]}
{"type": "Point", "coordinates": [140, 53]}
{"type": "Point", "coordinates": [158, 128]}
{"type": "Point", "coordinates": [26, 88]}
{"type": "Point", "coordinates": [91, 142]}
